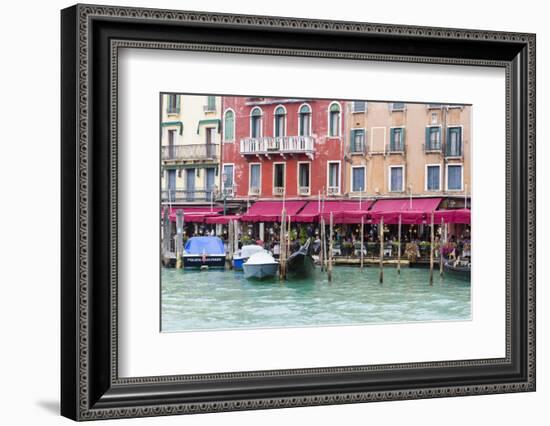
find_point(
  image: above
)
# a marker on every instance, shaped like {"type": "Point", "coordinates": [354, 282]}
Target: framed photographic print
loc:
{"type": "Point", "coordinates": [263, 212]}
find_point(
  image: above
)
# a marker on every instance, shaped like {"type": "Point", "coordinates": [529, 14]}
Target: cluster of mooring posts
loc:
{"type": "Point", "coordinates": [326, 254]}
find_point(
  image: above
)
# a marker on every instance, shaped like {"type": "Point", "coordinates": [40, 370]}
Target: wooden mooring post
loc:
{"type": "Point", "coordinates": [432, 251]}
{"type": "Point", "coordinates": [381, 237]}
{"type": "Point", "coordinates": [230, 242]}
{"type": "Point", "coordinates": [323, 245]}
{"type": "Point", "coordinates": [330, 247]}
{"type": "Point", "coordinates": [283, 246]}
{"type": "Point", "coordinates": [362, 239]}
{"type": "Point", "coordinates": [441, 248]}
{"type": "Point", "coordinates": [179, 238]}
{"type": "Point", "coordinates": [166, 237]}
{"type": "Point", "coordinates": [399, 246]}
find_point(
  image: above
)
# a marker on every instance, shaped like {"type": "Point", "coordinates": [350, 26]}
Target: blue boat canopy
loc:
{"type": "Point", "coordinates": [204, 245]}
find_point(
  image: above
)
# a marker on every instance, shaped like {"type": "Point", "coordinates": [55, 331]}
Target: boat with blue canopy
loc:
{"type": "Point", "coordinates": [201, 252]}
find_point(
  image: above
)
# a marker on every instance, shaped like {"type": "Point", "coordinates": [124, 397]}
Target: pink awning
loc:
{"type": "Point", "coordinates": [453, 216]}
{"type": "Point", "coordinates": [222, 220]}
{"type": "Point", "coordinates": [412, 212]}
{"type": "Point", "coordinates": [194, 214]}
{"type": "Point", "coordinates": [270, 211]}
{"type": "Point", "coordinates": [343, 211]}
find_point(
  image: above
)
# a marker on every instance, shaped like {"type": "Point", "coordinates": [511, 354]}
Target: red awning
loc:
{"type": "Point", "coordinates": [453, 216]}
{"type": "Point", "coordinates": [270, 211]}
{"type": "Point", "coordinates": [343, 211]}
{"type": "Point", "coordinates": [412, 212]}
{"type": "Point", "coordinates": [194, 214]}
{"type": "Point", "coordinates": [222, 220]}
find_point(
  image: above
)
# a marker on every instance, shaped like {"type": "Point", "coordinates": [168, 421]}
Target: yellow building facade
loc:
{"type": "Point", "coordinates": [190, 148]}
{"type": "Point", "coordinates": [407, 149]}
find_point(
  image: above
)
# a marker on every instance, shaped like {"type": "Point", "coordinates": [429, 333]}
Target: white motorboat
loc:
{"type": "Point", "coordinates": [261, 265]}
{"type": "Point", "coordinates": [243, 254]}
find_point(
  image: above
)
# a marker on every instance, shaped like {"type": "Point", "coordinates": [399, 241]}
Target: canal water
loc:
{"type": "Point", "coordinates": [207, 300]}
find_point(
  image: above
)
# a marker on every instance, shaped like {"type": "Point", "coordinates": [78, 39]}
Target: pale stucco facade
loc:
{"type": "Point", "coordinates": [190, 147]}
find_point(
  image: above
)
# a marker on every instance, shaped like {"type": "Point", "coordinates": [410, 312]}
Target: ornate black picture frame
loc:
{"type": "Point", "coordinates": [91, 37]}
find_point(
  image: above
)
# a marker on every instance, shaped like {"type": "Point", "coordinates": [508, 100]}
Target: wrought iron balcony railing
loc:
{"type": "Point", "coordinates": [190, 152]}
{"type": "Point", "coordinates": [395, 148]}
{"type": "Point", "coordinates": [453, 150]}
{"type": "Point", "coordinates": [278, 145]}
{"type": "Point", "coordinates": [433, 147]}
{"type": "Point", "coordinates": [358, 148]}
{"type": "Point", "coordinates": [181, 195]}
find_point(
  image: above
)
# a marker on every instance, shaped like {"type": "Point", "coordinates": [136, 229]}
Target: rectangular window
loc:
{"type": "Point", "coordinates": [211, 103]}
{"type": "Point", "coordinates": [454, 142]}
{"type": "Point", "coordinates": [358, 179]}
{"type": "Point", "coordinates": [454, 177]}
{"type": "Point", "coordinates": [357, 141]}
{"type": "Point", "coordinates": [396, 139]}
{"type": "Point", "coordinates": [173, 104]}
{"type": "Point", "coordinates": [210, 134]}
{"type": "Point", "coordinates": [255, 176]}
{"type": "Point", "coordinates": [359, 106]}
{"type": "Point", "coordinates": [279, 175]}
{"type": "Point", "coordinates": [227, 176]}
{"type": "Point", "coordinates": [432, 178]}
{"type": "Point", "coordinates": [396, 179]}
{"type": "Point", "coordinates": [433, 138]}
{"type": "Point", "coordinates": [333, 178]}
{"type": "Point", "coordinates": [397, 106]}
{"type": "Point", "coordinates": [303, 178]}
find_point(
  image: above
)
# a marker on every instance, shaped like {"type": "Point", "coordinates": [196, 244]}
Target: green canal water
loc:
{"type": "Point", "coordinates": [207, 300]}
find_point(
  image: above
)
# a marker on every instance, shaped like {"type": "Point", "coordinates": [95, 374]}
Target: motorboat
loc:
{"type": "Point", "coordinates": [204, 252]}
{"type": "Point", "coordinates": [301, 263]}
{"type": "Point", "coordinates": [260, 265]}
{"type": "Point", "coordinates": [243, 254]}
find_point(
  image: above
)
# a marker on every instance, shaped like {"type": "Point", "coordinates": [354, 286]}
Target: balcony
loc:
{"type": "Point", "coordinates": [283, 146]}
{"type": "Point", "coordinates": [190, 152]}
{"type": "Point", "coordinates": [395, 148]}
{"type": "Point", "coordinates": [254, 191]}
{"type": "Point", "coordinates": [453, 150]}
{"type": "Point", "coordinates": [432, 147]}
{"type": "Point", "coordinates": [303, 190]}
{"type": "Point", "coordinates": [278, 191]}
{"type": "Point", "coordinates": [185, 195]}
{"type": "Point", "coordinates": [358, 148]}
{"type": "Point", "coordinates": [333, 190]}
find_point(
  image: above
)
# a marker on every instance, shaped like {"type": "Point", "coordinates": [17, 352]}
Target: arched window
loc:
{"type": "Point", "coordinates": [304, 120]}
{"type": "Point", "coordinates": [334, 119]}
{"type": "Point", "coordinates": [256, 123]}
{"type": "Point", "coordinates": [279, 124]}
{"type": "Point", "coordinates": [229, 125]}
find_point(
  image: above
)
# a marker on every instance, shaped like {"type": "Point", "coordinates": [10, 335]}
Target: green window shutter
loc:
{"type": "Point", "coordinates": [427, 141]}
{"type": "Point", "coordinates": [392, 138]}
{"type": "Point", "coordinates": [177, 103]}
{"type": "Point", "coordinates": [402, 136]}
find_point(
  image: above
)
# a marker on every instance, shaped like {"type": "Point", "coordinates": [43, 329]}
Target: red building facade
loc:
{"type": "Point", "coordinates": [275, 147]}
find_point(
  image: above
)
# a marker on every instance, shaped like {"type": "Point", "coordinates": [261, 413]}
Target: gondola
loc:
{"type": "Point", "coordinates": [459, 269]}
{"type": "Point", "coordinates": [300, 263]}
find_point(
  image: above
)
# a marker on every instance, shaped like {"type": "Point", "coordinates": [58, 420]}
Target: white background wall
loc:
{"type": "Point", "coordinates": [29, 213]}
